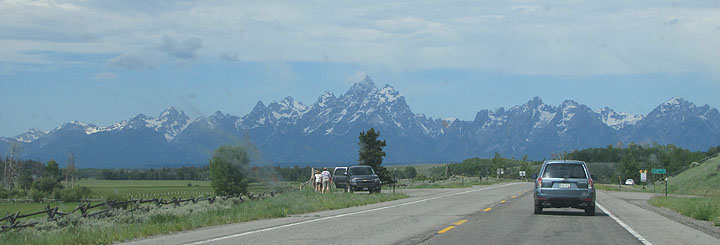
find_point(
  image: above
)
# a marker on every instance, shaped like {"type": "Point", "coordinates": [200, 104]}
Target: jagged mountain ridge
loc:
{"type": "Point", "coordinates": [326, 131]}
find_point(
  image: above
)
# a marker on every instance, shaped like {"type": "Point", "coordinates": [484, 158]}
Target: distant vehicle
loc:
{"type": "Point", "coordinates": [629, 182]}
{"type": "Point", "coordinates": [564, 184]}
{"type": "Point", "coordinates": [361, 178]}
{"type": "Point", "coordinates": [339, 177]}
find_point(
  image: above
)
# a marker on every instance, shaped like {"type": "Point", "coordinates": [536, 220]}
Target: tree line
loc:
{"type": "Point", "coordinates": [630, 159]}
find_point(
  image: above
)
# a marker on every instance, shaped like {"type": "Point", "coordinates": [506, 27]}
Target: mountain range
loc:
{"type": "Point", "coordinates": [289, 132]}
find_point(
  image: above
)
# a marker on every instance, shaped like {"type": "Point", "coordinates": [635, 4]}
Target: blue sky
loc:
{"type": "Point", "coordinates": [103, 61]}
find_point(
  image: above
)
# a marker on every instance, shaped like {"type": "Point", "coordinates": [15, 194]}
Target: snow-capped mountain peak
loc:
{"type": "Point", "coordinates": [30, 135]}
{"type": "Point", "coordinates": [388, 94]}
{"type": "Point", "coordinates": [287, 131]}
{"type": "Point", "coordinates": [617, 120]}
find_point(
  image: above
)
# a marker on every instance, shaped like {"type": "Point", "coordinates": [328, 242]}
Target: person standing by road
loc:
{"type": "Point", "coordinates": [326, 178]}
{"type": "Point", "coordinates": [318, 181]}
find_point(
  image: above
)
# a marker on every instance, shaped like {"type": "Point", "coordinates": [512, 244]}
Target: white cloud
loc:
{"type": "Point", "coordinates": [133, 60]}
{"type": "Point", "coordinates": [105, 76]}
{"type": "Point", "coordinates": [185, 49]}
{"type": "Point", "coordinates": [356, 77]}
{"type": "Point", "coordinates": [574, 37]}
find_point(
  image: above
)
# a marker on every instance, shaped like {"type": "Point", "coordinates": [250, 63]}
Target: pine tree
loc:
{"type": "Point", "coordinates": [371, 153]}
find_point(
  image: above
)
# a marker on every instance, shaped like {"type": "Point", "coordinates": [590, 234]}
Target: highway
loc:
{"type": "Point", "coordinates": [496, 214]}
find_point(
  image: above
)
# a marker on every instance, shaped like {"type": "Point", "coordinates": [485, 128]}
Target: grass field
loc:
{"type": "Point", "coordinates": [147, 188]}
{"type": "Point", "coordinates": [124, 226]}
{"type": "Point", "coordinates": [702, 181]}
{"type": "Point", "coordinates": [163, 188]}
{"type": "Point", "coordinates": [25, 208]}
{"type": "Point", "coordinates": [701, 208]}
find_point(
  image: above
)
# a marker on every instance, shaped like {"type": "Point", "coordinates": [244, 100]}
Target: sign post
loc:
{"type": "Point", "coordinates": [664, 172]}
{"type": "Point", "coordinates": [643, 175]}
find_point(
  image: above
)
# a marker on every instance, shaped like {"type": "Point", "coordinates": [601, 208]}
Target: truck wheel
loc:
{"type": "Point", "coordinates": [538, 209]}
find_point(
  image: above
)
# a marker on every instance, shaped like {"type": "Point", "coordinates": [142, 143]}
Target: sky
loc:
{"type": "Point", "coordinates": [102, 62]}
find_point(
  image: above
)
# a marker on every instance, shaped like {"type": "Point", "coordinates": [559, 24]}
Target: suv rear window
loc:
{"type": "Point", "coordinates": [564, 170]}
{"type": "Point", "coordinates": [339, 171]}
{"type": "Point", "coordinates": [360, 171]}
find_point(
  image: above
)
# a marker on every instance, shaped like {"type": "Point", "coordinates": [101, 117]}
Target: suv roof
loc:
{"type": "Point", "coordinates": [563, 161]}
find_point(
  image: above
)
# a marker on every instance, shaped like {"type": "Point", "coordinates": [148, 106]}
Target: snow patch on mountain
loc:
{"type": "Point", "coordinates": [30, 135]}
{"type": "Point", "coordinates": [617, 120]}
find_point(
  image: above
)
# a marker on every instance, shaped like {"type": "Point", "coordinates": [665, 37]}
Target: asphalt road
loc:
{"type": "Point", "coordinates": [497, 214]}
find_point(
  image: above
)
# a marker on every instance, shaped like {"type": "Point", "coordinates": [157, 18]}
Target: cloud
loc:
{"type": "Point", "coordinates": [133, 61]}
{"type": "Point", "coordinates": [105, 76]}
{"type": "Point", "coordinates": [574, 37]}
{"type": "Point", "coordinates": [356, 77]}
{"type": "Point", "coordinates": [185, 49]}
{"type": "Point", "coordinates": [229, 56]}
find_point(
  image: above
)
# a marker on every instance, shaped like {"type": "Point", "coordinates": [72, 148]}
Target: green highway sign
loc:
{"type": "Point", "coordinates": [658, 171]}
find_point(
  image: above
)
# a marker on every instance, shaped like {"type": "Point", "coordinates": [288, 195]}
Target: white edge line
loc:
{"type": "Point", "coordinates": [627, 227]}
{"type": "Point", "coordinates": [338, 216]}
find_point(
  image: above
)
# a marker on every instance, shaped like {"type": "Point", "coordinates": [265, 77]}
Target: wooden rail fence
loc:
{"type": "Point", "coordinates": [85, 207]}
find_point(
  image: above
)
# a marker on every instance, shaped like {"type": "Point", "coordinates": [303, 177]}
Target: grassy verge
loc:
{"type": "Point", "coordinates": [705, 208]}
{"type": "Point", "coordinates": [125, 226]}
{"type": "Point", "coordinates": [636, 188]}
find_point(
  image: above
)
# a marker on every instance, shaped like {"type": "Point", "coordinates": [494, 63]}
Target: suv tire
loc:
{"type": "Point", "coordinates": [538, 209]}
{"type": "Point", "coordinates": [590, 210]}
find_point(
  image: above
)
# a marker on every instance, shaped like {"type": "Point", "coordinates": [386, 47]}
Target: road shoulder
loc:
{"type": "Point", "coordinates": [656, 228]}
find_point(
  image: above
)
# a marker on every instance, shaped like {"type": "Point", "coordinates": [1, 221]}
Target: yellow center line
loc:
{"type": "Point", "coordinates": [446, 229]}
{"type": "Point", "coordinates": [487, 209]}
{"type": "Point", "coordinates": [513, 196]}
{"type": "Point", "coordinates": [503, 201]}
{"type": "Point", "coordinates": [460, 222]}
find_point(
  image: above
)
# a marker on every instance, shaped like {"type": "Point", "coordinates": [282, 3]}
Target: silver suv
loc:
{"type": "Point", "coordinates": [564, 184]}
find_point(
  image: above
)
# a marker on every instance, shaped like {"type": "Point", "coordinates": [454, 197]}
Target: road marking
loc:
{"type": "Point", "coordinates": [627, 227]}
{"type": "Point", "coordinates": [513, 196]}
{"type": "Point", "coordinates": [503, 201]}
{"type": "Point", "coordinates": [446, 229]}
{"type": "Point", "coordinates": [460, 222]}
{"type": "Point", "coordinates": [340, 215]}
{"type": "Point", "coordinates": [487, 209]}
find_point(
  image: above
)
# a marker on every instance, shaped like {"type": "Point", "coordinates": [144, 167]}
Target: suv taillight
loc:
{"type": "Point", "coordinates": [539, 182]}
{"type": "Point", "coordinates": [590, 183]}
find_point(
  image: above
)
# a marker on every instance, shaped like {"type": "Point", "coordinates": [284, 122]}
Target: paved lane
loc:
{"type": "Point", "coordinates": [407, 221]}
{"type": "Point", "coordinates": [513, 222]}
{"type": "Point", "coordinates": [497, 214]}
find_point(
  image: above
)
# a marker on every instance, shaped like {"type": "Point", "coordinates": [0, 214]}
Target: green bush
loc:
{"type": "Point", "coordinates": [74, 194]}
{"type": "Point", "coordinates": [45, 184]}
{"type": "Point", "coordinates": [116, 196]}
{"type": "Point", "coordinates": [36, 195]}
{"type": "Point", "coordinates": [4, 193]}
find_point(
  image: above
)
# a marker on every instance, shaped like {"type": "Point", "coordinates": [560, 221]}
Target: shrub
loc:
{"type": "Point", "coordinates": [4, 193]}
{"type": "Point", "coordinates": [45, 184]}
{"type": "Point", "coordinates": [74, 194]}
{"type": "Point", "coordinates": [36, 195]}
{"type": "Point", "coordinates": [227, 170]}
